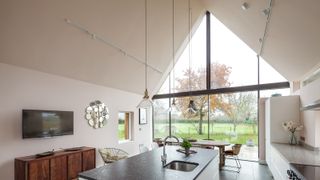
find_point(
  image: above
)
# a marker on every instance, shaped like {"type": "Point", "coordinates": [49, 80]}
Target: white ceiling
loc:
{"type": "Point", "coordinates": [293, 35]}
{"type": "Point", "coordinates": [34, 35]}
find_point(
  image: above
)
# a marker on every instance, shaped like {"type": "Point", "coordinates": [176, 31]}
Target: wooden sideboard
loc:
{"type": "Point", "coordinates": [63, 165]}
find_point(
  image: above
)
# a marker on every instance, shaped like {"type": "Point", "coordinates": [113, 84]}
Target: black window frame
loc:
{"type": "Point", "coordinates": [208, 91]}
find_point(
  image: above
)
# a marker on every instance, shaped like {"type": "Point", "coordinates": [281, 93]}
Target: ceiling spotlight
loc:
{"type": "Point", "coordinates": [245, 6]}
{"type": "Point", "coordinates": [266, 11]}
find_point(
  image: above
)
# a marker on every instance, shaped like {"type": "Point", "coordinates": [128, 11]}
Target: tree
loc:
{"type": "Point", "coordinates": [196, 80]}
{"type": "Point", "coordinates": [241, 107]}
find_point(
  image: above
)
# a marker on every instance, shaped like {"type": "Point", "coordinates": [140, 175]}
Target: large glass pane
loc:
{"type": "Point", "coordinates": [193, 125]}
{"type": "Point", "coordinates": [268, 74]}
{"type": "Point", "coordinates": [161, 118]}
{"type": "Point", "coordinates": [164, 89]}
{"type": "Point", "coordinates": [192, 69]}
{"type": "Point", "coordinates": [233, 62]}
{"type": "Point", "coordinates": [233, 118]}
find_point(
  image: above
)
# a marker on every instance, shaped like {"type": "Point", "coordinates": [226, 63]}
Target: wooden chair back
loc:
{"type": "Point", "coordinates": [236, 149]}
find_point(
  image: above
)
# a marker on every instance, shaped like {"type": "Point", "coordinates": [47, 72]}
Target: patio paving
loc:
{"type": "Point", "coordinates": [248, 152]}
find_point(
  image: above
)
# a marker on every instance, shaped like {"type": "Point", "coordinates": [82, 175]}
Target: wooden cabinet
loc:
{"type": "Point", "coordinates": [63, 165]}
{"type": "Point", "coordinates": [74, 165]}
{"type": "Point", "coordinates": [39, 170]}
{"type": "Point", "coordinates": [58, 168]}
{"type": "Point", "coordinates": [88, 162]}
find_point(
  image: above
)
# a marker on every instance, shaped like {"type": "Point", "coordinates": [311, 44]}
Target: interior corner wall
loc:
{"type": "Point", "coordinates": [310, 119]}
{"type": "Point", "coordinates": [262, 130]}
{"type": "Point", "coordinates": [27, 89]}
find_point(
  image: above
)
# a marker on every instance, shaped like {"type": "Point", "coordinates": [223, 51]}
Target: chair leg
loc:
{"type": "Point", "coordinates": [237, 164]}
{"type": "Point", "coordinates": [237, 159]}
{"type": "Point", "coordinates": [234, 168]}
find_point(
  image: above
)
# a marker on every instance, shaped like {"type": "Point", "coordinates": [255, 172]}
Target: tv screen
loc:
{"type": "Point", "coordinates": [46, 123]}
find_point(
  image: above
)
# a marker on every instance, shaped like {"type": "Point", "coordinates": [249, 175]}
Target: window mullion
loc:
{"type": "Point", "coordinates": [208, 46]}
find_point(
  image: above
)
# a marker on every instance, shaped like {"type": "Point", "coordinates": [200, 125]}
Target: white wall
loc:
{"type": "Point", "coordinates": [27, 89]}
{"type": "Point", "coordinates": [310, 119]}
{"type": "Point", "coordinates": [262, 130]}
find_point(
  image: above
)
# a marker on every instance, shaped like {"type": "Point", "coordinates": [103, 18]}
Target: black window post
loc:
{"type": "Point", "coordinates": [208, 47]}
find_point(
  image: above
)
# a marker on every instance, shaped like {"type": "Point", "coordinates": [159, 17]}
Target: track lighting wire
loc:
{"type": "Point", "coordinates": [111, 44]}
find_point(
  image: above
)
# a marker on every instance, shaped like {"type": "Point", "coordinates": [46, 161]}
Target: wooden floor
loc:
{"type": "Point", "coordinates": [249, 171]}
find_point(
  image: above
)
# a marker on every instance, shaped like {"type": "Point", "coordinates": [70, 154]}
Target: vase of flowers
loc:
{"type": "Point", "coordinates": [292, 127]}
{"type": "Point", "coordinates": [186, 145]}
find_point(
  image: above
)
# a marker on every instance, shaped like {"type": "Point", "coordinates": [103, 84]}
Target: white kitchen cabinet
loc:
{"type": "Point", "coordinates": [278, 165]}
{"type": "Point", "coordinates": [211, 171]}
{"type": "Point", "coordinates": [278, 110]}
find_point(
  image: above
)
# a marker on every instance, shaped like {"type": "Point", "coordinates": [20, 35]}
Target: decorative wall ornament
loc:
{"type": "Point", "coordinates": [97, 114]}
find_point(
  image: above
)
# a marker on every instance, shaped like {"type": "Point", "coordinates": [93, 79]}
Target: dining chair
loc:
{"type": "Point", "coordinates": [143, 148]}
{"type": "Point", "coordinates": [110, 155]}
{"type": "Point", "coordinates": [233, 154]}
{"type": "Point", "coordinates": [154, 145]}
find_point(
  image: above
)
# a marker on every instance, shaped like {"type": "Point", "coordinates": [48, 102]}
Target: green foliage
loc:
{"type": "Point", "coordinates": [121, 132]}
{"type": "Point", "coordinates": [217, 131]}
{"type": "Point", "coordinates": [185, 143]}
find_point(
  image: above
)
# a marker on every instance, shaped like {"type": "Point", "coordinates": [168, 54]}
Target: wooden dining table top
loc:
{"type": "Point", "coordinates": [210, 143]}
{"type": "Point", "coordinates": [201, 142]}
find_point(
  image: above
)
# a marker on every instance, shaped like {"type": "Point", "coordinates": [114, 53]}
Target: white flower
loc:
{"type": "Point", "coordinates": [292, 126]}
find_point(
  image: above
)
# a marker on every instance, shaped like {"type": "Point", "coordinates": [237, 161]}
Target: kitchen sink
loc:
{"type": "Point", "coordinates": [181, 166]}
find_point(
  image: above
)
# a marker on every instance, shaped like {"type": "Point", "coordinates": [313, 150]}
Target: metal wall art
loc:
{"type": "Point", "coordinates": [97, 114]}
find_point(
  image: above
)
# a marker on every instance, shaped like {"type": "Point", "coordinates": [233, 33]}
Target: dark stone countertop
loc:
{"type": "Point", "coordinates": [148, 166]}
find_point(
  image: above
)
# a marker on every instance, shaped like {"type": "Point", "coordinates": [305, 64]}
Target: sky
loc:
{"type": "Point", "coordinates": [228, 49]}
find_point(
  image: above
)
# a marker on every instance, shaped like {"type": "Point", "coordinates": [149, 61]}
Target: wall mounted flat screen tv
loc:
{"type": "Point", "coordinates": [46, 123]}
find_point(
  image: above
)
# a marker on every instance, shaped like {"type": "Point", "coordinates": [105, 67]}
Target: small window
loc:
{"type": "Point", "coordinates": [124, 126]}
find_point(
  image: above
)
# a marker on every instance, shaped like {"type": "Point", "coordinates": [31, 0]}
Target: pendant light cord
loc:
{"type": "Point", "coordinates": [189, 39]}
{"type": "Point", "coordinates": [146, 45]}
{"type": "Point", "coordinates": [173, 45]}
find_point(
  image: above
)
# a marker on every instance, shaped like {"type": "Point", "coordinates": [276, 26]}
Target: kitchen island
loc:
{"type": "Point", "coordinates": [148, 166]}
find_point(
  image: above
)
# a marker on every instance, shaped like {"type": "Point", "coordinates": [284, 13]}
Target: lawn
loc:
{"type": "Point", "coordinates": [218, 131]}
{"type": "Point", "coordinates": [121, 132]}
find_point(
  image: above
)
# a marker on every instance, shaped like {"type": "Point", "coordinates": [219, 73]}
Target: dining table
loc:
{"type": "Point", "coordinates": [211, 144]}
{"type": "Point", "coordinates": [204, 144]}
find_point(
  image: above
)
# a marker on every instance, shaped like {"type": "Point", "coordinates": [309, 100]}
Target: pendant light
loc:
{"type": "Point", "coordinates": [191, 110]}
{"type": "Point", "coordinates": [146, 101]}
{"type": "Point", "coordinates": [173, 107]}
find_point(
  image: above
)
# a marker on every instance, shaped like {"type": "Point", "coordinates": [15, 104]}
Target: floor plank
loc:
{"type": "Point", "coordinates": [249, 171]}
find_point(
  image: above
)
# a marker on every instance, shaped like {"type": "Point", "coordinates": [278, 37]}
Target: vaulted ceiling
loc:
{"type": "Point", "coordinates": [292, 43]}
{"type": "Point", "coordinates": [35, 35]}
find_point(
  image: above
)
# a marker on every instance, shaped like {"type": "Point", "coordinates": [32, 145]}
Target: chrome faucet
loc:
{"type": "Point", "coordinates": [164, 155]}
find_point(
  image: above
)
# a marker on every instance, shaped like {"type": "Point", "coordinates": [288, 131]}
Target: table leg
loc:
{"type": "Point", "coordinates": [222, 157]}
